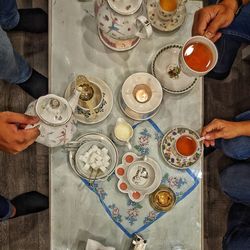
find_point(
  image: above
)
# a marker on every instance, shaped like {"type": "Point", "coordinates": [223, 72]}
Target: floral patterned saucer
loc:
{"type": "Point", "coordinates": [169, 25]}
{"type": "Point", "coordinates": [103, 109]}
{"type": "Point", "coordinates": [138, 176]}
{"type": "Point", "coordinates": [168, 72]}
{"type": "Point", "coordinates": [116, 44]}
{"type": "Point", "coordinates": [169, 153]}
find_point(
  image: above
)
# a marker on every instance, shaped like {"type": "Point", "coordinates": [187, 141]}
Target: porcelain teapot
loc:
{"type": "Point", "coordinates": [122, 19]}
{"type": "Point", "coordinates": [57, 123]}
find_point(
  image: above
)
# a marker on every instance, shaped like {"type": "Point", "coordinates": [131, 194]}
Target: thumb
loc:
{"type": "Point", "coordinates": [30, 134]}
{"type": "Point", "coordinates": [214, 135]}
{"type": "Point", "coordinates": [12, 117]}
{"type": "Point", "coordinates": [214, 26]}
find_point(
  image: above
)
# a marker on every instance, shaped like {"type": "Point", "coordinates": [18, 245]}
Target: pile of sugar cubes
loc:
{"type": "Point", "coordinates": [96, 158]}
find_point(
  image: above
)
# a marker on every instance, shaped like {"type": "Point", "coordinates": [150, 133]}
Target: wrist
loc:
{"type": "Point", "coordinates": [243, 128]}
{"type": "Point", "coordinates": [231, 4]}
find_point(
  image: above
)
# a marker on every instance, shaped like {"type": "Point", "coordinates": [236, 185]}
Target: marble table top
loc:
{"type": "Point", "coordinates": [75, 212]}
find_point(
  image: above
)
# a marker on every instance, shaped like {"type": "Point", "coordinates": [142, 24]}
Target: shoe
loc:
{"type": "Point", "coordinates": [36, 85]}
{"type": "Point", "coordinates": [28, 203]}
{"type": "Point", "coordinates": [32, 20]}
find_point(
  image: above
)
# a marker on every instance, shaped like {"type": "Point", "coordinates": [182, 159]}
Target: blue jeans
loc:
{"type": "Point", "coordinates": [236, 148]}
{"type": "Point", "coordinates": [238, 229]}
{"type": "Point", "coordinates": [6, 208]}
{"type": "Point", "coordinates": [14, 68]}
{"type": "Point", "coordinates": [235, 182]}
{"type": "Point", "coordinates": [233, 36]}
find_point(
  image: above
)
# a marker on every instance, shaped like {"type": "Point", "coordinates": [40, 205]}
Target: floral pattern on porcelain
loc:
{"type": "Point", "coordinates": [53, 136]}
{"type": "Point", "coordinates": [117, 26]}
{"type": "Point", "coordinates": [171, 156]}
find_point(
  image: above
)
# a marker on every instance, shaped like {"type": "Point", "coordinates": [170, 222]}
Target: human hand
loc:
{"type": "Point", "coordinates": [208, 20]}
{"type": "Point", "coordinates": [220, 129]}
{"type": "Point", "coordinates": [13, 137]}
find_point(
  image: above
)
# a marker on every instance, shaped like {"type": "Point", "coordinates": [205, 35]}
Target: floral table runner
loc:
{"type": "Point", "coordinates": [133, 217]}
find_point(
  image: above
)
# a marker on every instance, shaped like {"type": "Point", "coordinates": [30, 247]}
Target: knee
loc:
{"type": "Point", "coordinates": [235, 182]}
{"type": "Point", "coordinates": [237, 148]}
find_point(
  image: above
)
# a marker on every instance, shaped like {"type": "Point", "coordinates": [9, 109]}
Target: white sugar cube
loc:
{"type": "Point", "coordinates": [94, 166]}
{"type": "Point", "coordinates": [103, 169]}
{"type": "Point", "coordinates": [83, 158]}
{"type": "Point", "coordinates": [106, 164]}
{"type": "Point", "coordinates": [86, 167]}
{"type": "Point", "coordinates": [94, 148]}
{"type": "Point", "coordinates": [104, 150]}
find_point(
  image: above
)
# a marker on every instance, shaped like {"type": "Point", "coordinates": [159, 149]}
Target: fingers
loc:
{"type": "Point", "coordinates": [216, 37]}
{"type": "Point", "coordinates": [208, 143]}
{"type": "Point", "coordinates": [201, 21]}
{"type": "Point", "coordinates": [216, 124]}
{"type": "Point", "coordinates": [30, 134]}
{"type": "Point", "coordinates": [213, 27]}
{"type": "Point", "coordinates": [12, 117]}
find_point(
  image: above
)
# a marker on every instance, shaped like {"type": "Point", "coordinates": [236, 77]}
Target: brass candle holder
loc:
{"type": "Point", "coordinates": [162, 199]}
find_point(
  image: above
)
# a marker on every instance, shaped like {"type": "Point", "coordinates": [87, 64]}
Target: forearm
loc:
{"type": "Point", "coordinates": [244, 128]}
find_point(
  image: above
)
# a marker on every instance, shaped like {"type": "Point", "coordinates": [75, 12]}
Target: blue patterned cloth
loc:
{"type": "Point", "coordinates": [133, 217]}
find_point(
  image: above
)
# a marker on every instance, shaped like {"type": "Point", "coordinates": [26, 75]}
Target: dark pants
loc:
{"type": "Point", "coordinates": [235, 182]}
{"type": "Point", "coordinates": [228, 45]}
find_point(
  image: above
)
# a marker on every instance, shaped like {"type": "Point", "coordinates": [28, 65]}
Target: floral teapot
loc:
{"type": "Point", "coordinates": [122, 19]}
{"type": "Point", "coordinates": [57, 124]}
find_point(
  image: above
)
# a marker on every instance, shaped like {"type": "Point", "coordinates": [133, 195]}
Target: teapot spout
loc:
{"type": "Point", "coordinates": [73, 101]}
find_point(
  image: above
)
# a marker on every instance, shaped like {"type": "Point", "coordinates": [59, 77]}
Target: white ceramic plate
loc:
{"type": "Point", "coordinates": [126, 179]}
{"type": "Point", "coordinates": [165, 25]}
{"type": "Point", "coordinates": [168, 57]}
{"type": "Point", "coordinates": [103, 110]}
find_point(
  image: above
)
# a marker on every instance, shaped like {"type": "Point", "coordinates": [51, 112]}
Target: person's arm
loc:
{"type": "Point", "coordinates": [224, 129]}
{"type": "Point", "coordinates": [13, 137]}
{"type": "Point", "coordinates": [208, 20]}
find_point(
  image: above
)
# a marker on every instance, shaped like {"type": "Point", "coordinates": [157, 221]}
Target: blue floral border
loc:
{"type": "Point", "coordinates": [159, 215]}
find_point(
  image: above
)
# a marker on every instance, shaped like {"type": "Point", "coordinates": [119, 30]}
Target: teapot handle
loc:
{"type": "Point", "coordinates": [144, 28]}
{"type": "Point", "coordinates": [36, 125]}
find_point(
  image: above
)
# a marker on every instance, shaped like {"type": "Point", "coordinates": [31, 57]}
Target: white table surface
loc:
{"type": "Point", "coordinates": [75, 212]}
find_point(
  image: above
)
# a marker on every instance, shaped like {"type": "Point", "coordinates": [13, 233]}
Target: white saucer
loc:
{"type": "Point", "coordinates": [118, 45]}
{"type": "Point", "coordinates": [125, 7]}
{"type": "Point", "coordinates": [135, 118]}
{"type": "Point", "coordinates": [166, 25]}
{"type": "Point", "coordinates": [103, 110]}
{"type": "Point", "coordinates": [165, 59]}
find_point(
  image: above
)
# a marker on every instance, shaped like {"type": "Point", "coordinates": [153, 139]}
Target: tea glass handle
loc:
{"type": "Point", "coordinates": [144, 28]}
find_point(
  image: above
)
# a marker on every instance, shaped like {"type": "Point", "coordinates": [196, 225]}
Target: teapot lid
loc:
{"type": "Point", "coordinates": [125, 7]}
{"type": "Point", "coordinates": [53, 109]}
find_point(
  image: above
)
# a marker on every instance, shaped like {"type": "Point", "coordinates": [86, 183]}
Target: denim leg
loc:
{"type": "Point", "coordinates": [235, 182]}
{"type": "Point", "coordinates": [14, 68]}
{"type": "Point", "coordinates": [237, 148]}
{"type": "Point", "coordinates": [9, 16]}
{"type": "Point", "coordinates": [233, 36]}
{"type": "Point", "coordinates": [238, 228]}
{"type": "Point", "coordinates": [5, 209]}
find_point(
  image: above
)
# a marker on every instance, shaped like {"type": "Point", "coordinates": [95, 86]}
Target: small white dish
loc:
{"type": "Point", "coordinates": [165, 67]}
{"type": "Point", "coordinates": [138, 177]}
{"type": "Point", "coordinates": [104, 109]}
{"type": "Point", "coordinates": [174, 22]}
{"type": "Point", "coordinates": [125, 7]}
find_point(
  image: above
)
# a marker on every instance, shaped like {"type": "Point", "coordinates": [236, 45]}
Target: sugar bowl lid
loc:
{"type": "Point", "coordinates": [53, 110]}
{"type": "Point", "coordinates": [125, 7]}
